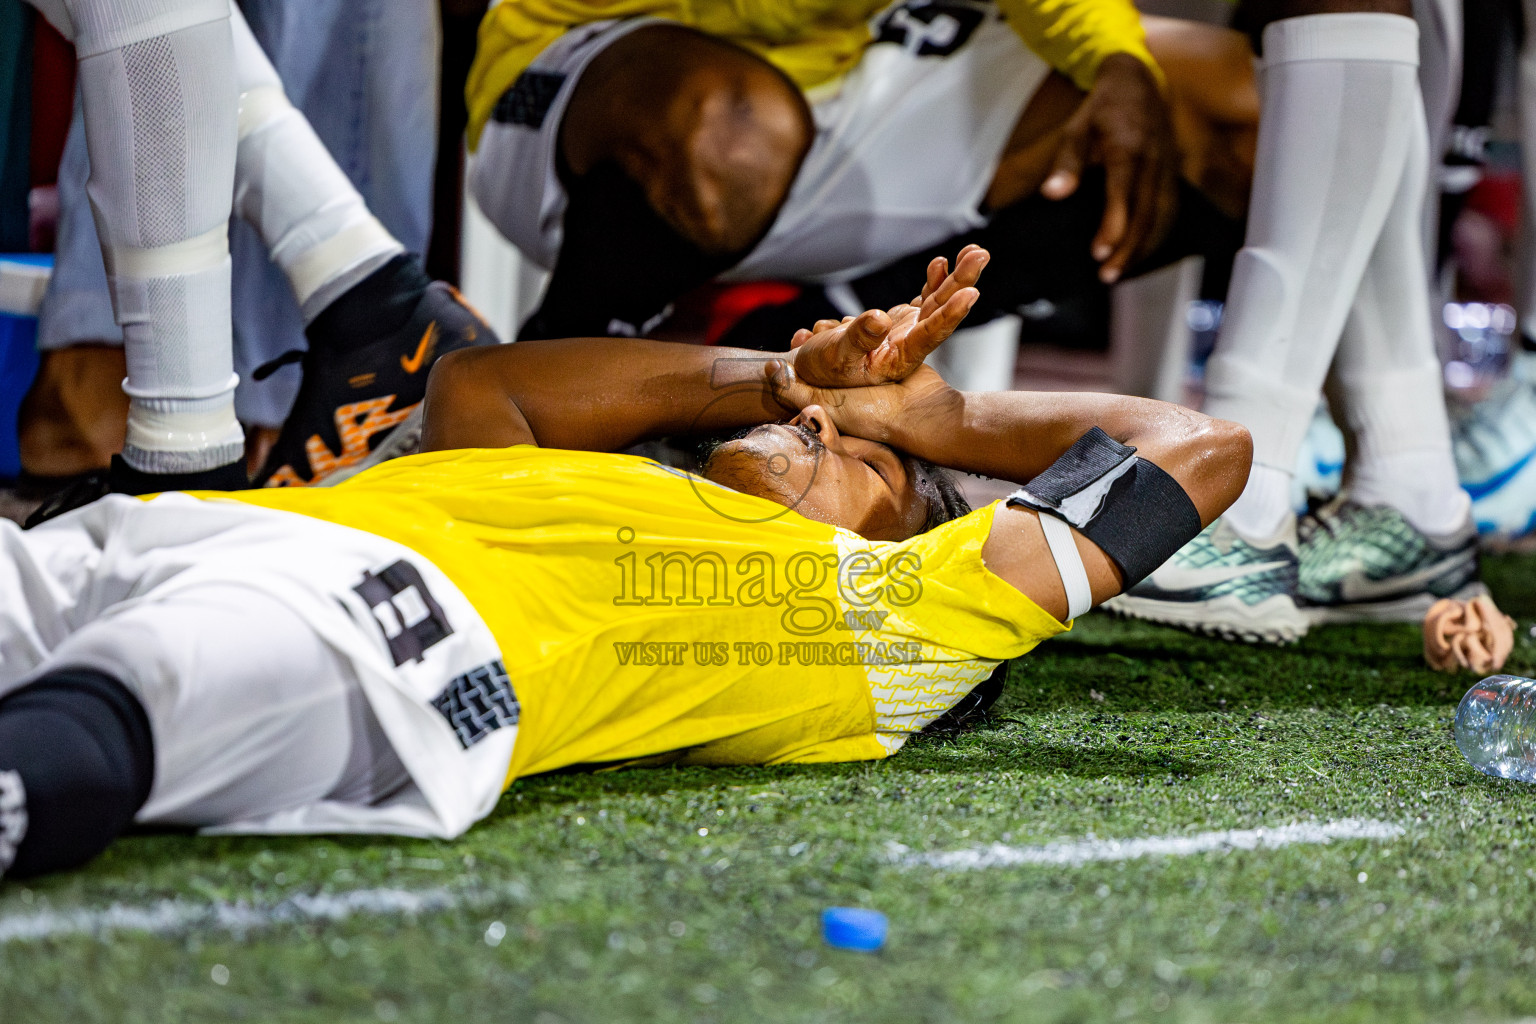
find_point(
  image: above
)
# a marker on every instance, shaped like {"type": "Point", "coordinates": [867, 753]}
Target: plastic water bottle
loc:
{"type": "Point", "coordinates": [1496, 727]}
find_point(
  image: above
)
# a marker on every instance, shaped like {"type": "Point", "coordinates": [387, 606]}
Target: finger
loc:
{"type": "Point", "coordinates": [801, 337]}
{"type": "Point", "coordinates": [1071, 155]}
{"type": "Point", "coordinates": [824, 325]}
{"type": "Point", "coordinates": [1139, 232]}
{"type": "Point", "coordinates": [846, 319]}
{"type": "Point", "coordinates": [868, 330]}
{"type": "Point", "coordinates": [1119, 180]}
{"type": "Point", "coordinates": [786, 386]}
{"type": "Point", "coordinates": [938, 270]}
{"type": "Point", "coordinates": [931, 331]}
{"type": "Point", "coordinates": [968, 267]}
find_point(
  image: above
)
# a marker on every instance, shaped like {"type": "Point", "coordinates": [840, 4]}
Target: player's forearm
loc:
{"type": "Point", "coordinates": [1015, 435]}
{"type": "Point", "coordinates": [596, 394]}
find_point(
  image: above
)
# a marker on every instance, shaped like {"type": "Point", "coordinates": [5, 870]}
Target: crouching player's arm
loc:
{"type": "Point", "coordinates": [1123, 513]}
{"type": "Point", "coordinates": [605, 394]}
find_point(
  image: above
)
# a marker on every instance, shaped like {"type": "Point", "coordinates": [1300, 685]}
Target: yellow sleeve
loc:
{"type": "Point", "coordinates": [1074, 36]}
{"type": "Point", "coordinates": [937, 591]}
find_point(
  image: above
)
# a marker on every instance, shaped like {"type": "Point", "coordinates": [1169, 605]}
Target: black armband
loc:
{"type": "Point", "coordinates": [1137, 514]}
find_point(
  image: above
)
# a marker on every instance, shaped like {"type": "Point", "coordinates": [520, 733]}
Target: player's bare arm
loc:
{"type": "Point", "coordinates": [605, 394]}
{"type": "Point", "coordinates": [1017, 436]}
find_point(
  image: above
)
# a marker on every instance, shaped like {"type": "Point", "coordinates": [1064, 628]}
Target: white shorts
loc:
{"type": "Point", "coordinates": [906, 143]}
{"type": "Point", "coordinates": [298, 676]}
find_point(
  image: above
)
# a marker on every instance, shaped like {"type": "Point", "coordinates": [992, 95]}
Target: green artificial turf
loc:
{"type": "Point", "coordinates": [694, 895]}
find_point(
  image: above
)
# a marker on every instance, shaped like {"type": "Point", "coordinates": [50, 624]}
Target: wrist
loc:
{"type": "Point", "coordinates": [928, 424]}
{"type": "Point", "coordinates": [1131, 64]}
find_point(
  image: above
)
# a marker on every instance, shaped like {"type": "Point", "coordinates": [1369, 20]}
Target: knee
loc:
{"type": "Point", "coordinates": [76, 764]}
{"type": "Point", "coordinates": [741, 150]}
{"type": "Point", "coordinates": [719, 143]}
{"type": "Point", "coordinates": [1229, 453]}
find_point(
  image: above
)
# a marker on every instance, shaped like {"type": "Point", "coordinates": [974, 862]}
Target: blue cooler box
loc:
{"type": "Point", "coordinates": [23, 278]}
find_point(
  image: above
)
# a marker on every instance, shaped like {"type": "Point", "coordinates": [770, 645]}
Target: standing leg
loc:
{"type": "Point", "coordinates": [1400, 535]}
{"type": "Point", "coordinates": [1341, 108]}
{"type": "Point", "coordinates": [375, 321]}
{"type": "Point", "coordinates": [158, 93]}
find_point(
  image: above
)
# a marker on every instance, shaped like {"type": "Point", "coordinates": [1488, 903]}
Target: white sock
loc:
{"type": "Point", "coordinates": [158, 90]}
{"type": "Point", "coordinates": [287, 186]}
{"type": "Point", "coordinates": [1387, 376]}
{"type": "Point", "coordinates": [1253, 515]}
{"type": "Point", "coordinates": [1339, 91]}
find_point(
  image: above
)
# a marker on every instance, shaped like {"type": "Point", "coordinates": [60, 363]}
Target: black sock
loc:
{"type": "Point", "coordinates": [379, 304]}
{"type": "Point", "coordinates": [125, 479]}
{"type": "Point", "coordinates": [80, 744]}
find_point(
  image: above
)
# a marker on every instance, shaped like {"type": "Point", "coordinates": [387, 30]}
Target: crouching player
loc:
{"type": "Point", "coordinates": [388, 655]}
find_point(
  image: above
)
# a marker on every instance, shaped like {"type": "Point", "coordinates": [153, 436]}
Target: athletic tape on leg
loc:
{"type": "Point", "coordinates": [1137, 514]}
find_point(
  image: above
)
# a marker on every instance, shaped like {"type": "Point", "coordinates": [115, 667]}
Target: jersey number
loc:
{"type": "Point", "coordinates": [930, 29]}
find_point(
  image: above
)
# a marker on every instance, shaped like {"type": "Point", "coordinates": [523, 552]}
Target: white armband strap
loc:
{"type": "Point", "coordinates": [1069, 563]}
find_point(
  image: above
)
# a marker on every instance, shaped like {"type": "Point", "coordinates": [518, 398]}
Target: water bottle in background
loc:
{"type": "Point", "coordinates": [1496, 727]}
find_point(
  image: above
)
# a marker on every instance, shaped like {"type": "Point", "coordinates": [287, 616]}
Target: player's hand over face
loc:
{"type": "Point", "coordinates": [1123, 124]}
{"type": "Point", "coordinates": [880, 412]}
{"type": "Point", "coordinates": [884, 347]}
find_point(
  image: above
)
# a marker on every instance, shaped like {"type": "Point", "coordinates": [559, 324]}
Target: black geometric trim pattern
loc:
{"type": "Point", "coordinates": [528, 101]}
{"type": "Point", "coordinates": [478, 703]}
{"type": "Point", "coordinates": [405, 610]}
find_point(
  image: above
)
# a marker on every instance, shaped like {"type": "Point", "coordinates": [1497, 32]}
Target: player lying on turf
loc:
{"type": "Point", "coordinates": [387, 655]}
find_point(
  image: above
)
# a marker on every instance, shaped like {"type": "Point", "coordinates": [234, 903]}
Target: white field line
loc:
{"type": "Point", "coordinates": [165, 917]}
{"type": "Point", "coordinates": [1086, 851]}
{"type": "Point", "coordinates": [171, 916]}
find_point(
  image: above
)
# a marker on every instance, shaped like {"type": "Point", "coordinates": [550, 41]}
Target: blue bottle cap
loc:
{"type": "Point", "coordinates": [853, 928]}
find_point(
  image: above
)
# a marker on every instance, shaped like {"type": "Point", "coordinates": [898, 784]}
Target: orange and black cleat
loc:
{"type": "Point", "coordinates": [354, 395]}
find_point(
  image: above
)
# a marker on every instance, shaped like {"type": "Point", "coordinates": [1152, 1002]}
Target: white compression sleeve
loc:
{"type": "Point", "coordinates": [158, 91]}
{"type": "Point", "coordinates": [1387, 377]}
{"type": "Point", "coordinates": [1069, 565]}
{"type": "Point", "coordinates": [1340, 92]}
{"type": "Point", "coordinates": [312, 220]}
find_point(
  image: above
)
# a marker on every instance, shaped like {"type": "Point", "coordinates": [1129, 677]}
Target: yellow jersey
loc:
{"type": "Point", "coordinates": [644, 611]}
{"type": "Point", "coordinates": [811, 41]}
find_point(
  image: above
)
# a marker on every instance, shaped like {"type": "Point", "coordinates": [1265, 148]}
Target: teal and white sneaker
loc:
{"type": "Point", "coordinates": [1225, 585]}
{"type": "Point", "coordinates": [1495, 446]}
{"type": "Point", "coordinates": [1367, 563]}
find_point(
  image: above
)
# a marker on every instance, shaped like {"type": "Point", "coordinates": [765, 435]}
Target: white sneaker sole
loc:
{"type": "Point", "coordinates": [1275, 620]}
{"type": "Point", "coordinates": [1403, 609]}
